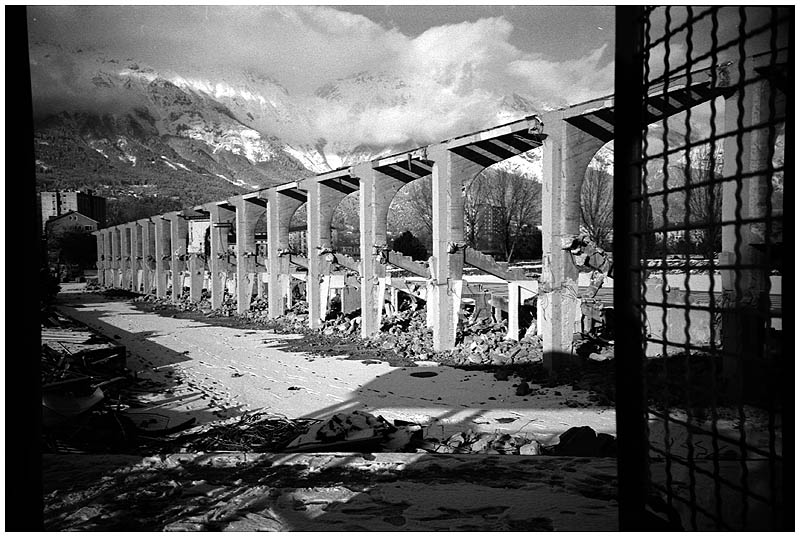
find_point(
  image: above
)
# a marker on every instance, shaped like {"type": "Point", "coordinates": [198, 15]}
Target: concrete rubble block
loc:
{"type": "Point", "coordinates": [523, 389]}
{"type": "Point", "coordinates": [531, 448]}
{"type": "Point", "coordinates": [585, 442]}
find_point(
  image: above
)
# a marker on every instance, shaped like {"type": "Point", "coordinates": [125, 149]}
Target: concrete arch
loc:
{"type": "Point", "coordinates": [592, 185]}
{"type": "Point", "coordinates": [334, 213]}
{"type": "Point", "coordinates": [421, 188]}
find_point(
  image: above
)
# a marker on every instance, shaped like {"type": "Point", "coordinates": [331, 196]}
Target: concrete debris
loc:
{"type": "Point", "coordinates": [598, 357]}
{"type": "Point", "coordinates": [584, 442]}
{"type": "Point", "coordinates": [482, 342]}
{"type": "Point", "coordinates": [258, 432]}
{"type": "Point", "coordinates": [523, 389]}
{"type": "Point", "coordinates": [472, 442]}
{"type": "Point", "coordinates": [363, 432]}
{"type": "Point", "coordinates": [76, 363]}
{"type": "Point", "coordinates": [356, 431]}
{"type": "Point", "coordinates": [588, 256]}
{"type": "Point", "coordinates": [345, 492]}
{"type": "Point", "coordinates": [405, 334]}
{"type": "Point", "coordinates": [534, 448]}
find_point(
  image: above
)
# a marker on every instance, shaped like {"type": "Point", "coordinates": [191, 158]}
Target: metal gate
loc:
{"type": "Point", "coordinates": [704, 139]}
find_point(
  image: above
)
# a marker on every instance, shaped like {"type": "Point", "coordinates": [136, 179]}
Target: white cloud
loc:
{"type": "Point", "coordinates": [569, 82]}
{"type": "Point", "coordinates": [455, 75]}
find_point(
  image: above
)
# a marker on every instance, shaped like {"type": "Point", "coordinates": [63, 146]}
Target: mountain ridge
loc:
{"type": "Point", "coordinates": [132, 130]}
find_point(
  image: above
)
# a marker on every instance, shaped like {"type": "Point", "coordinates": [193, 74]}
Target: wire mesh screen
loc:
{"type": "Point", "coordinates": [709, 241]}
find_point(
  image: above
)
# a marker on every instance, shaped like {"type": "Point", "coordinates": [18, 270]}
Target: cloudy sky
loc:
{"type": "Point", "coordinates": [455, 60]}
{"type": "Point", "coordinates": [556, 49]}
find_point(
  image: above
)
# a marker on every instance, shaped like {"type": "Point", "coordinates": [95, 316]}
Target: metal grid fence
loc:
{"type": "Point", "coordinates": [706, 229]}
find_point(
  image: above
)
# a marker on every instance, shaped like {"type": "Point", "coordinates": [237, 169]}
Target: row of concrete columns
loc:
{"type": "Point", "coordinates": [158, 245]}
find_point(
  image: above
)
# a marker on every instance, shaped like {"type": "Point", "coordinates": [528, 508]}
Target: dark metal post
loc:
{"type": "Point", "coordinates": [629, 96]}
{"type": "Point", "coordinates": [789, 286]}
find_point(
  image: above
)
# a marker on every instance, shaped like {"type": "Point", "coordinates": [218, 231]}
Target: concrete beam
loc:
{"type": "Point", "coordinates": [376, 191]}
{"type": "Point", "coordinates": [567, 152]}
{"type": "Point", "coordinates": [280, 209]}
{"type": "Point", "coordinates": [248, 211]}
{"type": "Point", "coordinates": [148, 255]}
{"type": "Point", "coordinates": [163, 241]}
{"type": "Point", "coordinates": [222, 221]}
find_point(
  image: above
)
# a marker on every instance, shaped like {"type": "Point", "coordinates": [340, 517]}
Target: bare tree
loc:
{"type": "Point", "coordinates": [420, 202]}
{"type": "Point", "coordinates": [705, 200]}
{"type": "Point", "coordinates": [516, 202]}
{"type": "Point", "coordinates": [495, 201]}
{"type": "Point", "coordinates": [597, 209]}
{"type": "Point", "coordinates": [474, 222]}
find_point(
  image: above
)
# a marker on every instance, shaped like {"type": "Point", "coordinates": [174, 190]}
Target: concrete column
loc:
{"type": "Point", "coordinates": [115, 257]}
{"type": "Point", "coordinates": [136, 256]}
{"type": "Point", "coordinates": [179, 237]}
{"type": "Point", "coordinates": [450, 171]}
{"type": "Point", "coordinates": [221, 221]}
{"type": "Point", "coordinates": [248, 211]}
{"type": "Point", "coordinates": [148, 255]}
{"type": "Point", "coordinates": [98, 235]}
{"type": "Point", "coordinates": [125, 256]}
{"type": "Point", "coordinates": [195, 263]}
{"type": "Point", "coordinates": [108, 274]}
{"type": "Point", "coordinates": [322, 202]}
{"type": "Point", "coordinates": [314, 236]}
{"type": "Point", "coordinates": [744, 324]}
{"type": "Point", "coordinates": [567, 152]}
{"type": "Point", "coordinates": [376, 191]}
{"type": "Point", "coordinates": [280, 209]}
{"type": "Point", "coordinates": [196, 270]}
{"type": "Point", "coordinates": [163, 243]}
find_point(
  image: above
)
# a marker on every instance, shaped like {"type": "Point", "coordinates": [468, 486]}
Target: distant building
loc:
{"type": "Point", "coordinates": [71, 221]}
{"type": "Point", "coordinates": [55, 204]}
{"type": "Point", "coordinates": [490, 229]}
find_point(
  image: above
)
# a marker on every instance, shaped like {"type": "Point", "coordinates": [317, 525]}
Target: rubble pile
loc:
{"type": "Point", "coordinates": [81, 371]}
{"type": "Point", "coordinates": [184, 304]}
{"type": "Point", "coordinates": [488, 443]}
{"type": "Point", "coordinates": [259, 432]}
{"type": "Point", "coordinates": [362, 432]}
{"type": "Point", "coordinates": [404, 335]}
{"type": "Point", "coordinates": [481, 342]}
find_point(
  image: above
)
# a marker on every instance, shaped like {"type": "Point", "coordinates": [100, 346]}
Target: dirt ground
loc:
{"type": "Point", "coordinates": [212, 369]}
{"type": "Point", "coordinates": [218, 370]}
{"type": "Point", "coordinates": [329, 492]}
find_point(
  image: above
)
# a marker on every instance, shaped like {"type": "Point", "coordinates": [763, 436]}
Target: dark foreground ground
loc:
{"type": "Point", "coordinates": [329, 492]}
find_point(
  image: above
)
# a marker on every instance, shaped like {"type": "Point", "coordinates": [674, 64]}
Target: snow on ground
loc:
{"type": "Point", "coordinates": [221, 371]}
{"type": "Point", "coordinates": [329, 492]}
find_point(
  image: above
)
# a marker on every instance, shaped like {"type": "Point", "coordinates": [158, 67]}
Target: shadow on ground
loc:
{"type": "Point", "coordinates": [345, 491]}
{"type": "Point", "coordinates": [340, 492]}
{"type": "Point", "coordinates": [153, 392]}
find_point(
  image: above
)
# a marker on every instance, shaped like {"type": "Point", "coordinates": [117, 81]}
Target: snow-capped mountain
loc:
{"type": "Point", "coordinates": [120, 126]}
